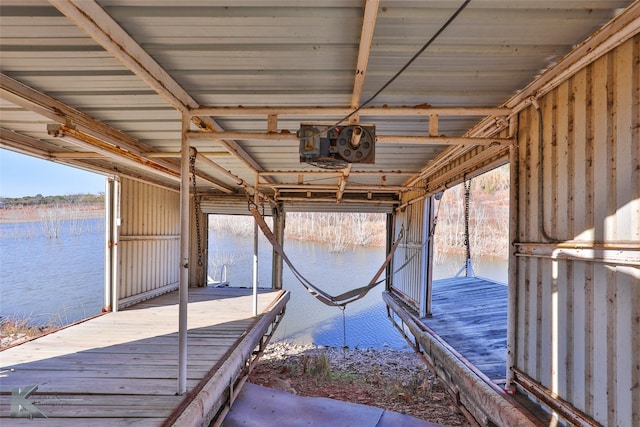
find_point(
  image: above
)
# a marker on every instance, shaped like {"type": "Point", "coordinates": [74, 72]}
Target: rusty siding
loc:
{"type": "Point", "coordinates": [577, 326]}
{"type": "Point", "coordinates": [149, 241]}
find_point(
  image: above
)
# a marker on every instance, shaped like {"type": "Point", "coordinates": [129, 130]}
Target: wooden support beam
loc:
{"type": "Point", "coordinates": [97, 23]}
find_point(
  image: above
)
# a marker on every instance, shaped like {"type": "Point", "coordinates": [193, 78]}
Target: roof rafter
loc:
{"type": "Point", "coordinates": [92, 19]}
{"type": "Point", "coordinates": [103, 138]}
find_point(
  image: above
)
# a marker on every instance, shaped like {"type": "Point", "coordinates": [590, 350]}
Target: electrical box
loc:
{"type": "Point", "coordinates": [334, 146]}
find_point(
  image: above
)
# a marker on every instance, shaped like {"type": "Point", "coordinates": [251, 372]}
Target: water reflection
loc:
{"type": "Point", "coordinates": [310, 321]}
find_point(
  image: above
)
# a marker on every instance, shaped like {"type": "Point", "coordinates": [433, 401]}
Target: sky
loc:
{"type": "Point", "coordinates": [22, 175]}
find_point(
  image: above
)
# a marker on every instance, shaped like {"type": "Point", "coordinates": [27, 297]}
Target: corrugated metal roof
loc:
{"type": "Point", "coordinates": [286, 53]}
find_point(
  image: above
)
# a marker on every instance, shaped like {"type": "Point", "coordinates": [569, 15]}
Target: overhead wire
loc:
{"type": "Point", "coordinates": [408, 63]}
{"type": "Point", "coordinates": [392, 79]}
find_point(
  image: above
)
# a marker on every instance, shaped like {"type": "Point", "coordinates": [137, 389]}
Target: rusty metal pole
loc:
{"type": "Point", "coordinates": [183, 290]}
{"type": "Point", "coordinates": [279, 216]}
{"type": "Point", "coordinates": [256, 200]}
{"type": "Point", "coordinates": [512, 285]}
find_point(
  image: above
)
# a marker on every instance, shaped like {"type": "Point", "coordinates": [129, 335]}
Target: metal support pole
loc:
{"type": "Point", "coordinates": [183, 291]}
{"type": "Point", "coordinates": [255, 253]}
{"type": "Point", "coordinates": [512, 285]}
{"type": "Point", "coordinates": [112, 222]}
{"type": "Point", "coordinates": [426, 268]}
{"type": "Point", "coordinates": [278, 230]}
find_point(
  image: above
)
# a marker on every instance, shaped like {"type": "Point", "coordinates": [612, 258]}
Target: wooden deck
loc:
{"type": "Point", "coordinates": [121, 368]}
{"type": "Point", "coordinates": [470, 314]}
{"type": "Point", "coordinates": [464, 343]}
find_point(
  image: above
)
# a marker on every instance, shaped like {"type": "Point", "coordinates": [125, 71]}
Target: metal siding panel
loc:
{"type": "Point", "coordinates": [149, 246]}
{"type": "Point", "coordinates": [408, 281]}
{"type": "Point", "coordinates": [578, 321]}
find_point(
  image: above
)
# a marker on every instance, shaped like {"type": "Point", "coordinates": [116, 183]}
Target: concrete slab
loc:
{"type": "Point", "coordinates": [258, 406]}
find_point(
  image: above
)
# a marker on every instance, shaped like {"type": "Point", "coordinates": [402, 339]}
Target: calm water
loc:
{"type": "Point", "coordinates": [52, 280]}
{"type": "Point", "coordinates": [61, 280]}
{"type": "Point", "coordinates": [308, 320]}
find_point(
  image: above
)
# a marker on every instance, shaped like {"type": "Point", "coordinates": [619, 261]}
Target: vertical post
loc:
{"type": "Point", "coordinates": [426, 260]}
{"type": "Point", "coordinates": [512, 286]}
{"type": "Point", "coordinates": [391, 223]}
{"type": "Point", "coordinates": [256, 200]}
{"type": "Point", "coordinates": [279, 218]}
{"type": "Point", "coordinates": [112, 221]}
{"type": "Point", "coordinates": [183, 290]}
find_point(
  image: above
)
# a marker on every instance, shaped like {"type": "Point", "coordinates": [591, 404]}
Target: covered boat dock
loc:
{"type": "Point", "coordinates": [193, 108]}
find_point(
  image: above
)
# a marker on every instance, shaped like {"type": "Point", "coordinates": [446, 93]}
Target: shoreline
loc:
{"type": "Point", "coordinates": [396, 380]}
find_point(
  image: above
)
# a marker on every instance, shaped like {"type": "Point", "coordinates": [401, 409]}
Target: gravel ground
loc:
{"type": "Point", "coordinates": [390, 379]}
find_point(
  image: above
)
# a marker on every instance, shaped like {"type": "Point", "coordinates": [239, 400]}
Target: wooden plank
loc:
{"type": "Point", "coordinates": [471, 315]}
{"type": "Point", "coordinates": [121, 368]}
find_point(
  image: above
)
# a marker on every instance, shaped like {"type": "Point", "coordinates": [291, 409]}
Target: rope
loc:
{"type": "Point", "coordinates": [336, 301]}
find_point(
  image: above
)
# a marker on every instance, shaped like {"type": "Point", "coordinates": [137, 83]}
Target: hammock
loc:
{"type": "Point", "coordinates": [336, 301]}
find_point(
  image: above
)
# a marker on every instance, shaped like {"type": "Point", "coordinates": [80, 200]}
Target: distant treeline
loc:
{"type": "Point", "coordinates": [40, 200]}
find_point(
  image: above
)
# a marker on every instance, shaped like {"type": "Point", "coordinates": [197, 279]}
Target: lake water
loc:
{"type": "Point", "coordinates": [61, 280]}
{"type": "Point", "coordinates": [307, 319]}
{"type": "Point", "coordinates": [52, 280]}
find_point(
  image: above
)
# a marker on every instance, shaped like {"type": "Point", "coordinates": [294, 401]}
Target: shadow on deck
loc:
{"type": "Point", "coordinates": [121, 368]}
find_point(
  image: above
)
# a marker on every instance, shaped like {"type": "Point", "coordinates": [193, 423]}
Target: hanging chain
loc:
{"type": "Point", "coordinates": [467, 242]}
{"type": "Point", "coordinates": [196, 204]}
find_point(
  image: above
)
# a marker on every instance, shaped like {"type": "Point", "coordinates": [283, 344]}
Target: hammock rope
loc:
{"type": "Point", "coordinates": [336, 301]}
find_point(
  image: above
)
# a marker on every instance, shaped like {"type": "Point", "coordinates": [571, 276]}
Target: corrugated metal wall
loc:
{"type": "Point", "coordinates": [578, 289]}
{"type": "Point", "coordinates": [149, 247]}
{"type": "Point", "coordinates": [407, 283]}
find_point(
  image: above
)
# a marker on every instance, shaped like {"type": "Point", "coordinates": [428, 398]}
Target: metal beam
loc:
{"type": "Point", "coordinates": [334, 200]}
{"type": "Point", "coordinates": [343, 182]}
{"type": "Point", "coordinates": [23, 144]}
{"type": "Point", "coordinates": [366, 36]}
{"type": "Point", "coordinates": [88, 129]}
{"type": "Point", "coordinates": [183, 287]}
{"type": "Point", "coordinates": [348, 188]}
{"type": "Point", "coordinates": [380, 139]}
{"type": "Point", "coordinates": [30, 99]}
{"type": "Point", "coordinates": [330, 174]}
{"type": "Point", "coordinates": [336, 112]}
{"type": "Point", "coordinates": [88, 142]}
{"type": "Point", "coordinates": [97, 23]}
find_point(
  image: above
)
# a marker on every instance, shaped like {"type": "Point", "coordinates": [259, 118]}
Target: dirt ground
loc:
{"type": "Point", "coordinates": [393, 380]}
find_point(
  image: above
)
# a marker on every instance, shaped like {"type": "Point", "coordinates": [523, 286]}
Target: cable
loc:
{"type": "Point", "coordinates": [325, 165]}
{"type": "Point", "coordinates": [418, 53]}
